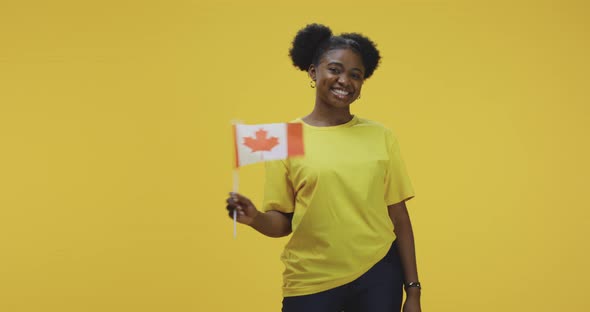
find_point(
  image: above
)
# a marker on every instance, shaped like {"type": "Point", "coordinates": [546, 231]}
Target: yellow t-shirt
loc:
{"type": "Point", "coordinates": [339, 193]}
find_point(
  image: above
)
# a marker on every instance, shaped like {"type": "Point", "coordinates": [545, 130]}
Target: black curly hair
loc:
{"type": "Point", "coordinates": [312, 41]}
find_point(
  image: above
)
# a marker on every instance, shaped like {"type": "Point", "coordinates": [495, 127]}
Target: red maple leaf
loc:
{"type": "Point", "coordinates": [261, 142]}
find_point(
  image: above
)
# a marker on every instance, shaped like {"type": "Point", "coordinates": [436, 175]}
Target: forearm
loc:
{"type": "Point", "coordinates": [272, 224]}
{"type": "Point", "coordinates": [406, 247]}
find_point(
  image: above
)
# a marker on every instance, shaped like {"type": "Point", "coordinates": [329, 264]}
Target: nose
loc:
{"type": "Point", "coordinates": [343, 79]}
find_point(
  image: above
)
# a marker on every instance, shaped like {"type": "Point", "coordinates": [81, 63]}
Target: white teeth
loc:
{"type": "Point", "coordinates": [340, 92]}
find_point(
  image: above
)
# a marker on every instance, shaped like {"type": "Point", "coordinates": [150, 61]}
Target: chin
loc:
{"type": "Point", "coordinates": [337, 103]}
{"type": "Point", "coordinates": [341, 105]}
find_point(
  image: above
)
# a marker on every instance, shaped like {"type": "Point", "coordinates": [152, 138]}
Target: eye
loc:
{"type": "Point", "coordinates": [333, 70]}
{"type": "Point", "coordinates": [356, 76]}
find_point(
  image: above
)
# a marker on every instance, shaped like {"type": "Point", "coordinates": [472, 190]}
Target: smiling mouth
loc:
{"type": "Point", "coordinates": [341, 93]}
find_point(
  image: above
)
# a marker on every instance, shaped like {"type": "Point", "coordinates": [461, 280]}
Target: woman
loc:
{"type": "Point", "coordinates": [352, 247]}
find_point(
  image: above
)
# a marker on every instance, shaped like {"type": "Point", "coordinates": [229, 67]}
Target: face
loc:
{"type": "Point", "coordinates": [339, 77]}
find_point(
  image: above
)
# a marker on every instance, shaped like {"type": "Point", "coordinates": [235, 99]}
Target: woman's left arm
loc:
{"type": "Point", "coordinates": [405, 244]}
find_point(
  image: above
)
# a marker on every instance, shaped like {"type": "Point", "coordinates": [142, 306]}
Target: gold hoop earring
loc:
{"type": "Point", "coordinates": [312, 84]}
{"type": "Point", "coordinates": [359, 97]}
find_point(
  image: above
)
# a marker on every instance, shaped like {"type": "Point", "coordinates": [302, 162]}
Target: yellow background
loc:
{"type": "Point", "coordinates": [116, 155]}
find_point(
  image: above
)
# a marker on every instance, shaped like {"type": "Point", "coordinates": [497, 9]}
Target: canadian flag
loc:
{"type": "Point", "coordinates": [256, 143]}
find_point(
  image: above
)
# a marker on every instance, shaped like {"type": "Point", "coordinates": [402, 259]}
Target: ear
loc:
{"type": "Point", "coordinates": [312, 72]}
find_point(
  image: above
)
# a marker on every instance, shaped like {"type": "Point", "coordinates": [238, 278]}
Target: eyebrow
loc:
{"type": "Point", "coordinates": [340, 64]}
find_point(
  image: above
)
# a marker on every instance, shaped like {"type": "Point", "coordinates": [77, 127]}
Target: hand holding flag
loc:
{"type": "Point", "coordinates": [257, 143]}
{"type": "Point", "coordinates": [244, 209]}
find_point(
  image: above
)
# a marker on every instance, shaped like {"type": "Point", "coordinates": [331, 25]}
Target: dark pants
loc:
{"type": "Point", "coordinates": [378, 290]}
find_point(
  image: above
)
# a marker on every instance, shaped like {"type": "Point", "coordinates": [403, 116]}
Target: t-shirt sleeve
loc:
{"type": "Point", "coordinates": [398, 186]}
{"type": "Point", "coordinates": [278, 189]}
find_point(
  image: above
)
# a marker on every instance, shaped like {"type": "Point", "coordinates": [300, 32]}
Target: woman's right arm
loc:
{"type": "Point", "coordinates": [271, 223]}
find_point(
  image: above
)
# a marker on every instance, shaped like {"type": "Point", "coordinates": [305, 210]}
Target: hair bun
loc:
{"type": "Point", "coordinates": [305, 44]}
{"type": "Point", "coordinates": [368, 50]}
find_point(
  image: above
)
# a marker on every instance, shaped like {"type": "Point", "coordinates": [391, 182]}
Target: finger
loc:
{"type": "Point", "coordinates": [230, 213]}
{"type": "Point", "coordinates": [230, 207]}
{"type": "Point", "coordinates": [240, 198]}
{"type": "Point", "coordinates": [234, 198]}
{"type": "Point", "coordinates": [231, 200]}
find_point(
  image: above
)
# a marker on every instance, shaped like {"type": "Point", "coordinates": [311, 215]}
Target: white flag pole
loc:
{"type": "Point", "coordinates": [236, 178]}
{"type": "Point", "coordinates": [235, 190]}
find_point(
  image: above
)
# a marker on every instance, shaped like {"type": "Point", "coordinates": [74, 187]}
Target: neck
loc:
{"type": "Point", "coordinates": [325, 116]}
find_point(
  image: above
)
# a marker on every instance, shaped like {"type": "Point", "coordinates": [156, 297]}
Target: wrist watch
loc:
{"type": "Point", "coordinates": [413, 284]}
